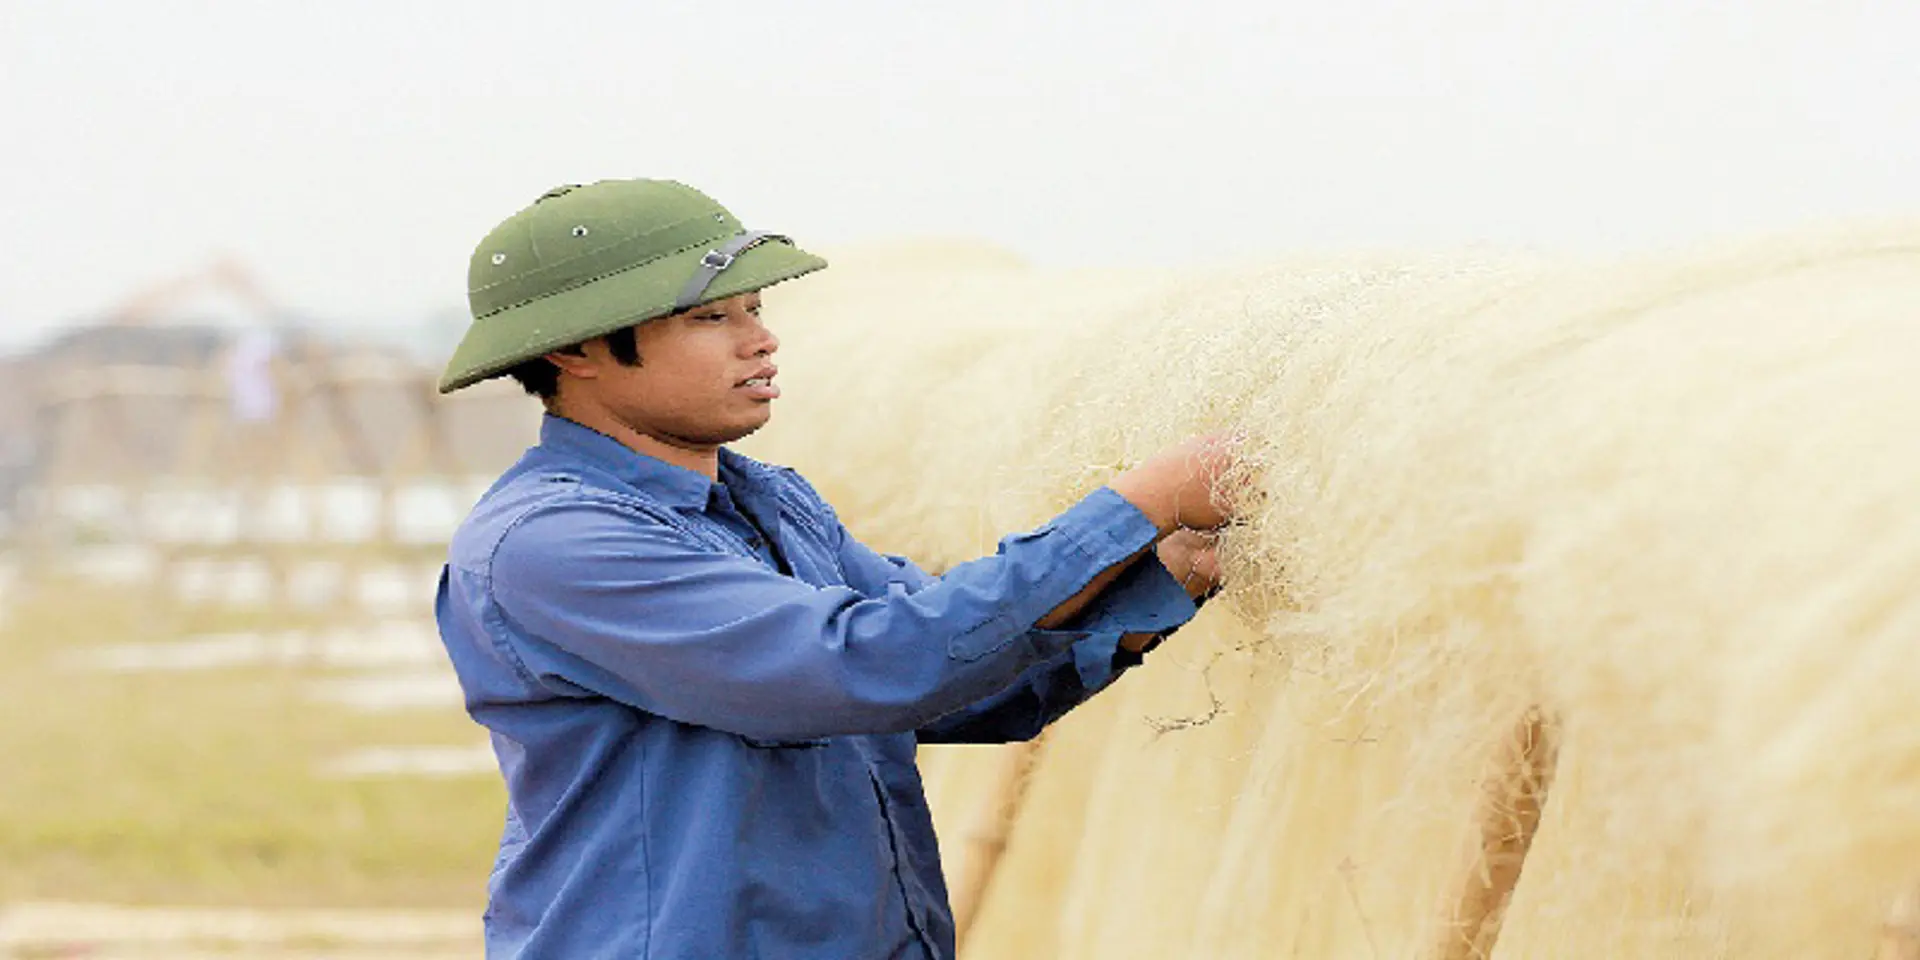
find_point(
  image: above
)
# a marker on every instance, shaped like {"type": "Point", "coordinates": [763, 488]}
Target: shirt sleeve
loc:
{"type": "Point", "coordinates": [1144, 599]}
{"type": "Point", "coordinates": [596, 597]}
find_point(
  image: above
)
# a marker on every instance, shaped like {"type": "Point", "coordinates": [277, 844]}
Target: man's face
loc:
{"type": "Point", "coordinates": [704, 379]}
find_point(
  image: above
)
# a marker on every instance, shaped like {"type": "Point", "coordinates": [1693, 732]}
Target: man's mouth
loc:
{"type": "Point", "coordinates": [761, 385]}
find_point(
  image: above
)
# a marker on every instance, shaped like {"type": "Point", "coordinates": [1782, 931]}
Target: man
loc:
{"type": "Point", "coordinates": [705, 695]}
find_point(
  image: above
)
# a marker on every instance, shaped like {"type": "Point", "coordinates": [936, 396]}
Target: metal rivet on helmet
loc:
{"type": "Point", "coordinates": [499, 258]}
{"type": "Point", "coordinates": [580, 231]}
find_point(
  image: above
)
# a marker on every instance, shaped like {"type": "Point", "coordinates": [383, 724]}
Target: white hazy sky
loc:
{"type": "Point", "coordinates": [351, 153]}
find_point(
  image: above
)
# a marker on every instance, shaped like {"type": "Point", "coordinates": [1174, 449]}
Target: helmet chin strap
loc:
{"type": "Point", "coordinates": [716, 260]}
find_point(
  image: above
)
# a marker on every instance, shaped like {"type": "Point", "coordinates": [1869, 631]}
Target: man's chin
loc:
{"type": "Point", "coordinates": [737, 431]}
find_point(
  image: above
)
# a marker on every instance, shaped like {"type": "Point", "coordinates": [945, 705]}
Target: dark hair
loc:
{"type": "Point", "coordinates": [540, 378]}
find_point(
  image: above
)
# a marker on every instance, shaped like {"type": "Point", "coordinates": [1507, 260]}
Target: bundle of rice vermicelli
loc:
{"type": "Point", "coordinates": [1666, 502]}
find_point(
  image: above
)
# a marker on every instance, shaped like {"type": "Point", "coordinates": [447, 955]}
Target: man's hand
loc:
{"type": "Point", "coordinates": [1189, 555]}
{"type": "Point", "coordinates": [1183, 486]}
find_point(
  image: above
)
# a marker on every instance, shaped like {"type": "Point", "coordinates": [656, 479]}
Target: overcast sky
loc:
{"type": "Point", "coordinates": [351, 153]}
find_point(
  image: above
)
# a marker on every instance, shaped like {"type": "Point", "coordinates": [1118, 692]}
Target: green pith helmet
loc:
{"type": "Point", "coordinates": [584, 261]}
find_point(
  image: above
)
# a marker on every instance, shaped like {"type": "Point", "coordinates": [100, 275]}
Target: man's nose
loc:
{"type": "Point", "coordinates": [761, 340]}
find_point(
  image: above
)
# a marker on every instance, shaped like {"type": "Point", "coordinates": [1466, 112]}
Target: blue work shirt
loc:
{"type": "Point", "coordinates": [706, 696]}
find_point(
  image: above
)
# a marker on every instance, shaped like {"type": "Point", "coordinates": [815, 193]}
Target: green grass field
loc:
{"type": "Point", "coordinates": [204, 787]}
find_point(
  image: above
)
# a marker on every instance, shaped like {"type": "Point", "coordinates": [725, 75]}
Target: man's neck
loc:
{"type": "Point", "coordinates": [703, 460]}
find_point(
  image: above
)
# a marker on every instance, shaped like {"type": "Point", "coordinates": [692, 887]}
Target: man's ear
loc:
{"type": "Point", "coordinates": [575, 362]}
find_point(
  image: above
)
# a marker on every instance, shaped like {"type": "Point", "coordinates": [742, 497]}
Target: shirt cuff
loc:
{"type": "Point", "coordinates": [1144, 599]}
{"type": "Point", "coordinates": [1106, 527]}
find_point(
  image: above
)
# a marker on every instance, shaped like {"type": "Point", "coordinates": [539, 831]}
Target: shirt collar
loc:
{"type": "Point", "coordinates": [740, 469]}
{"type": "Point", "coordinates": [674, 486]}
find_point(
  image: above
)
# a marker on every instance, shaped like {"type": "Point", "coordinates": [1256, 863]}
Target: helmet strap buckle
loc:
{"type": "Point", "coordinates": [716, 260]}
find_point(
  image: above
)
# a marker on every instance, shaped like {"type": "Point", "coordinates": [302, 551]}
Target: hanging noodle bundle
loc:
{"type": "Point", "coordinates": [1668, 504]}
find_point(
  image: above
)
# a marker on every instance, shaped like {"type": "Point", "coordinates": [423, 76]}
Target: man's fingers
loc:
{"type": "Point", "coordinates": [1206, 563]}
{"type": "Point", "coordinates": [1192, 557]}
